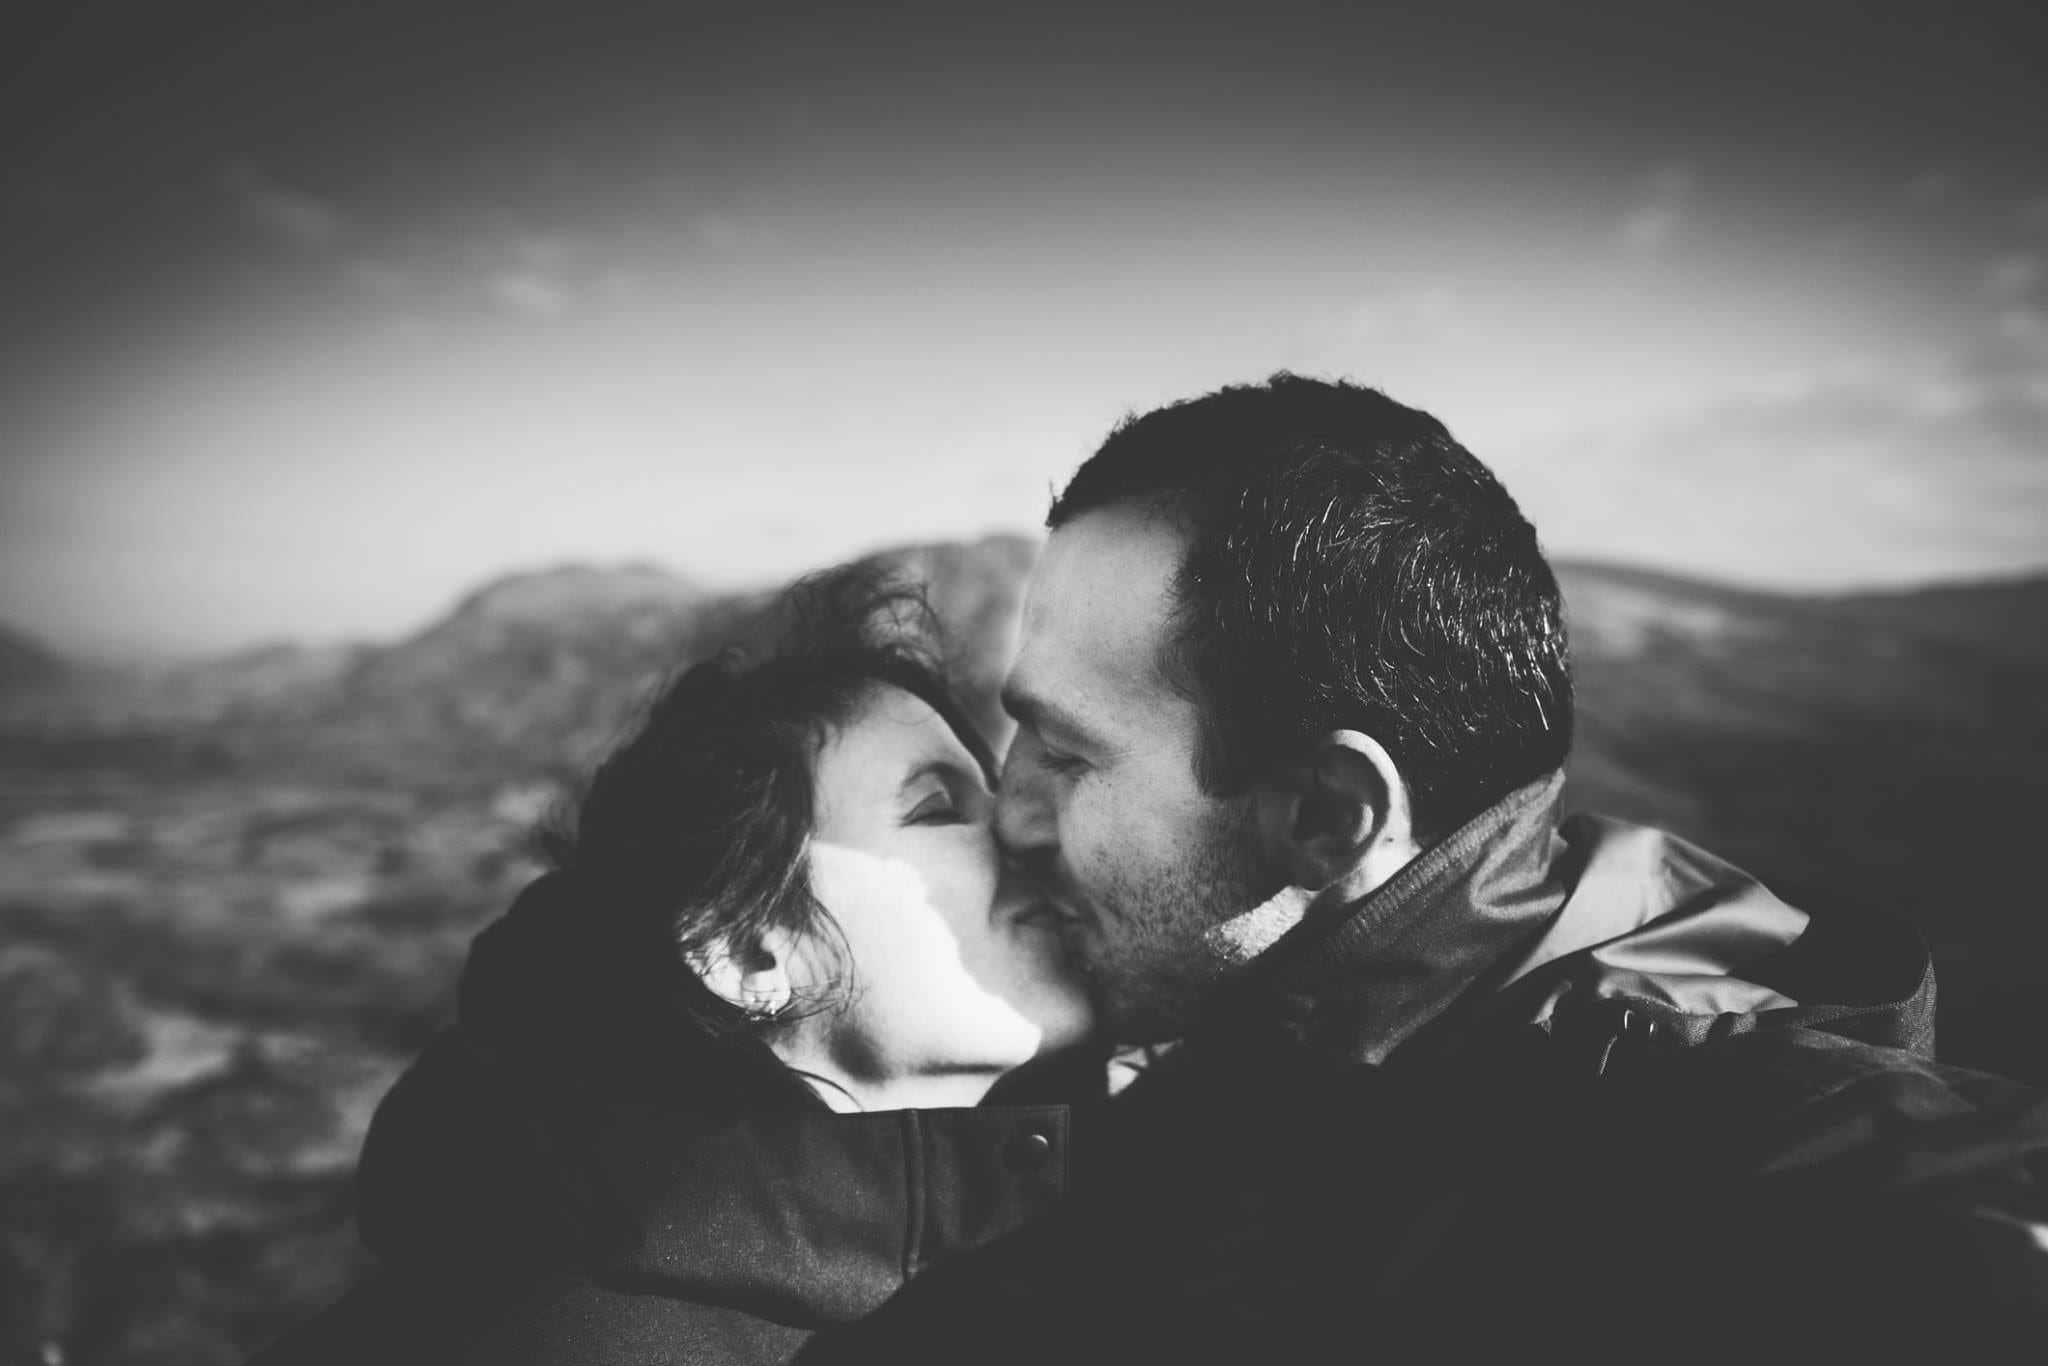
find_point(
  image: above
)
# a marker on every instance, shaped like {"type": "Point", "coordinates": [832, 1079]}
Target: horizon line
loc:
{"type": "Point", "coordinates": [138, 654]}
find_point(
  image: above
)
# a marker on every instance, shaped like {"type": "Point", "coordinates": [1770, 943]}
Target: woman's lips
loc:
{"type": "Point", "coordinates": [1023, 901]}
{"type": "Point", "coordinates": [1040, 914]}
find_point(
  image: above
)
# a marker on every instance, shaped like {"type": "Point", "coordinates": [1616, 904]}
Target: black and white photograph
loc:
{"type": "Point", "coordinates": [740, 684]}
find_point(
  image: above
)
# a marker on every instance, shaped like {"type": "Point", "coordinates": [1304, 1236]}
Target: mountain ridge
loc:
{"type": "Point", "coordinates": [520, 593]}
{"type": "Point", "coordinates": [27, 662]}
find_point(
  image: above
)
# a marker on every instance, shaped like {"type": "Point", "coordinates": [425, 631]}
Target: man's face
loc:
{"type": "Point", "coordinates": [1099, 802]}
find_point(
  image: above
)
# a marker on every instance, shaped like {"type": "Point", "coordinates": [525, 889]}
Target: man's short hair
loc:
{"type": "Point", "coordinates": [1350, 566]}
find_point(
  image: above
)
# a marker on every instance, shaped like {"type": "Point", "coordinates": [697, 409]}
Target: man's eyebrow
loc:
{"type": "Point", "coordinates": [1029, 709]}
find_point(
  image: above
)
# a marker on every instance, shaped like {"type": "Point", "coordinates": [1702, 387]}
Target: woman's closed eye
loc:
{"type": "Point", "coordinates": [945, 793]}
{"type": "Point", "coordinates": [937, 807]}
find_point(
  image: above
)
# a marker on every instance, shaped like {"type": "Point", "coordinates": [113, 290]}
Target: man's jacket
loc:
{"type": "Point", "coordinates": [1575, 1092]}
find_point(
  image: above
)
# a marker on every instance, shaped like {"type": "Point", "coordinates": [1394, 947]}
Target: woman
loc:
{"type": "Point", "coordinates": [710, 1082]}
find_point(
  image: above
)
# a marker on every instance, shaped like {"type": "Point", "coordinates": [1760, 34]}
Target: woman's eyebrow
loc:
{"type": "Point", "coordinates": [942, 769]}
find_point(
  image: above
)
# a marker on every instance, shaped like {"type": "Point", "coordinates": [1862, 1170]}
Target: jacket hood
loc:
{"type": "Point", "coordinates": [1520, 916]}
{"type": "Point", "coordinates": [683, 1166]}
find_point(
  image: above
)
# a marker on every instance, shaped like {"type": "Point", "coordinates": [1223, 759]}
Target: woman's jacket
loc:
{"type": "Point", "coordinates": [572, 1173]}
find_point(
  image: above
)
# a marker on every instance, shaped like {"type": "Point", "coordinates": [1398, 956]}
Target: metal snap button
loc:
{"type": "Point", "coordinates": [1027, 1152]}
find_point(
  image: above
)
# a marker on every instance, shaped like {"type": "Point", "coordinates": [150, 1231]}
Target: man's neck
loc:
{"type": "Point", "coordinates": [1377, 964]}
{"type": "Point", "coordinates": [1245, 936]}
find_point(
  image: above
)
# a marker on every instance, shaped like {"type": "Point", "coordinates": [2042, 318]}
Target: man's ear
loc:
{"type": "Point", "coordinates": [1338, 814]}
{"type": "Point", "coordinates": [756, 972]}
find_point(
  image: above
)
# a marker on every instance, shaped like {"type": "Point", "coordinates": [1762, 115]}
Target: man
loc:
{"type": "Point", "coordinates": [1458, 1079]}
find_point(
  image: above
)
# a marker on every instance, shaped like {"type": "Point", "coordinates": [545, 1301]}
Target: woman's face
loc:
{"type": "Point", "coordinates": [953, 967]}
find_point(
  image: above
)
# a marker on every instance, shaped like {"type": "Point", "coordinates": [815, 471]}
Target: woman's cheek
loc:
{"type": "Point", "coordinates": [963, 878]}
{"type": "Point", "coordinates": [937, 976]}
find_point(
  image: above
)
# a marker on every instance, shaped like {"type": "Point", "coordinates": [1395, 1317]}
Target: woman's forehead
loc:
{"type": "Point", "coordinates": [891, 737]}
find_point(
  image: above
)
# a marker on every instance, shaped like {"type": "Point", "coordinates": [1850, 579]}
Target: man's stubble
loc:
{"type": "Point", "coordinates": [1166, 938]}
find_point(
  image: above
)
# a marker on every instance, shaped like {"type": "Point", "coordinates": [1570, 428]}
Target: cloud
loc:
{"type": "Point", "coordinates": [2009, 355]}
{"type": "Point", "coordinates": [2034, 213]}
{"type": "Point", "coordinates": [719, 231]}
{"type": "Point", "coordinates": [530, 293]}
{"type": "Point", "coordinates": [1662, 203]}
{"type": "Point", "coordinates": [1433, 312]}
{"type": "Point", "coordinates": [525, 268]}
{"type": "Point", "coordinates": [541, 251]}
{"type": "Point", "coordinates": [289, 216]}
{"type": "Point", "coordinates": [1893, 477]}
{"type": "Point", "coordinates": [379, 279]}
{"type": "Point", "coordinates": [2014, 276]}
{"type": "Point", "coordinates": [2024, 325]}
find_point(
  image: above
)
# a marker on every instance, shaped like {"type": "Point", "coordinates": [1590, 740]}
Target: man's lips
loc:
{"type": "Point", "coordinates": [1043, 913]}
{"type": "Point", "coordinates": [1060, 913]}
{"type": "Point", "coordinates": [1042, 905]}
{"type": "Point", "coordinates": [1039, 918]}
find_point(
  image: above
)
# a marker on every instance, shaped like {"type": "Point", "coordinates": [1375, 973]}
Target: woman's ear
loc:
{"type": "Point", "coordinates": [1339, 815]}
{"type": "Point", "coordinates": [755, 972]}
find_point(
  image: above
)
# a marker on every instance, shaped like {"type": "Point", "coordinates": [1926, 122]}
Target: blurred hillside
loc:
{"type": "Point", "coordinates": [25, 665]}
{"type": "Point", "coordinates": [235, 893]}
{"type": "Point", "coordinates": [1878, 752]}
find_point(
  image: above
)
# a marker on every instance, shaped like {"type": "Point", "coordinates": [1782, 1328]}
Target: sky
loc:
{"type": "Point", "coordinates": [313, 318]}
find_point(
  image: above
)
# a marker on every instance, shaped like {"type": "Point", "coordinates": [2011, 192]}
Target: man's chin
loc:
{"type": "Point", "coordinates": [1133, 1025]}
{"type": "Point", "coordinates": [1106, 987]}
{"type": "Point", "coordinates": [1130, 1009]}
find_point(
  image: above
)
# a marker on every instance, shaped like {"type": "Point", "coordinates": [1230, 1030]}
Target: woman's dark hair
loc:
{"type": "Point", "coordinates": [694, 831]}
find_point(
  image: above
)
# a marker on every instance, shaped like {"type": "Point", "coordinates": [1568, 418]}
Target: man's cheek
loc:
{"type": "Point", "coordinates": [1080, 831]}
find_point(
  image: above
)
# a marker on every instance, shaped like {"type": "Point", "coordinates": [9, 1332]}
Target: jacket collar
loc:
{"type": "Point", "coordinates": [1518, 916]}
{"type": "Point", "coordinates": [1367, 976]}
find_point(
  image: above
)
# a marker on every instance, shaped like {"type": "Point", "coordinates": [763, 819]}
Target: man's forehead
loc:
{"type": "Point", "coordinates": [1098, 609]}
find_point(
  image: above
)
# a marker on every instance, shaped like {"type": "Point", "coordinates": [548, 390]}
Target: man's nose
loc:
{"type": "Point", "coordinates": [1023, 819]}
